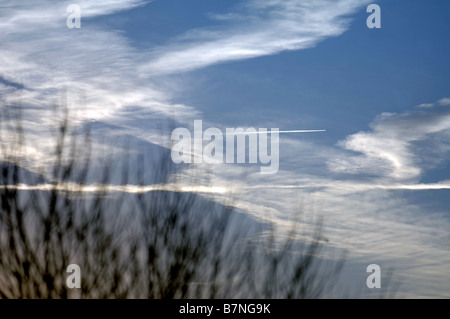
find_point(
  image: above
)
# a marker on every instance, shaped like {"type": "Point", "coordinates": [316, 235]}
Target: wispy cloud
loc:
{"type": "Point", "coordinates": [258, 28]}
{"type": "Point", "coordinates": [103, 77]}
{"type": "Point", "coordinates": [44, 56]}
{"type": "Point", "coordinates": [389, 149]}
{"type": "Point", "coordinates": [110, 75]}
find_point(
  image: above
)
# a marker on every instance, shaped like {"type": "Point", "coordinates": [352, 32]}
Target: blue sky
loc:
{"type": "Point", "coordinates": [379, 175]}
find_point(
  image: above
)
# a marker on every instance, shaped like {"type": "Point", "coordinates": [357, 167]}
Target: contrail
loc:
{"type": "Point", "coordinates": [271, 132]}
{"type": "Point", "coordinates": [301, 131]}
{"type": "Point", "coordinates": [80, 188]}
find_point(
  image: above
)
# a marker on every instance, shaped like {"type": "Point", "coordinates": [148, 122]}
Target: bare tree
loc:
{"type": "Point", "coordinates": [153, 244]}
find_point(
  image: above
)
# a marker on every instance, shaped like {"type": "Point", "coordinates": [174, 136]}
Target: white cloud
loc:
{"type": "Point", "coordinates": [444, 101]}
{"type": "Point", "coordinates": [103, 76]}
{"type": "Point", "coordinates": [387, 149]}
{"type": "Point", "coordinates": [46, 57]}
{"type": "Point", "coordinates": [261, 28]}
{"type": "Point", "coordinates": [426, 105]}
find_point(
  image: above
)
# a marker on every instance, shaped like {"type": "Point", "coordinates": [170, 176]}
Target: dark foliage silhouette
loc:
{"type": "Point", "coordinates": [135, 244]}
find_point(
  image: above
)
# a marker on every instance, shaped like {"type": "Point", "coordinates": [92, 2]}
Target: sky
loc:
{"type": "Point", "coordinates": [379, 176]}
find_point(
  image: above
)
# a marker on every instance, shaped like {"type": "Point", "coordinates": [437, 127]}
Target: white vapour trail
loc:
{"type": "Point", "coordinates": [280, 132]}
{"type": "Point", "coordinates": [132, 189]}
{"type": "Point", "coordinates": [218, 189]}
